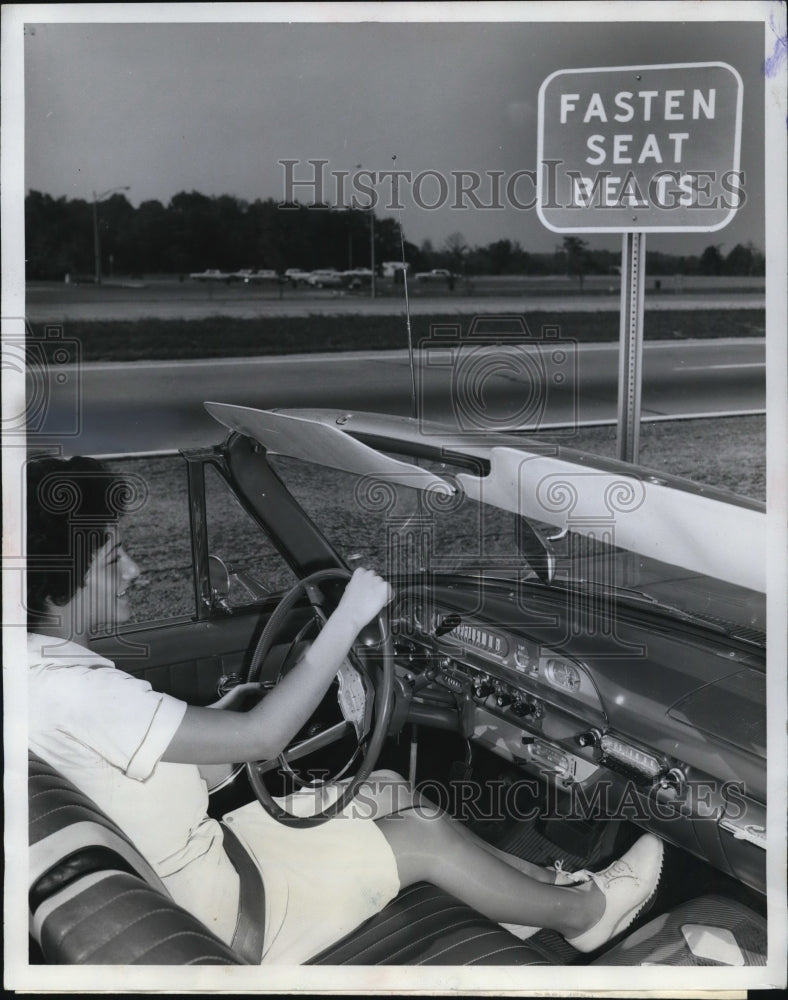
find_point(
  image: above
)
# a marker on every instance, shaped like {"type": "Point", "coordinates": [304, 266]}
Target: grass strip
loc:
{"type": "Point", "coordinates": [215, 337]}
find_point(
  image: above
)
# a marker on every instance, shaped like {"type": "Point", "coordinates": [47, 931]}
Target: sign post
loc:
{"type": "Point", "coordinates": [637, 150]}
{"type": "Point", "coordinates": [630, 356]}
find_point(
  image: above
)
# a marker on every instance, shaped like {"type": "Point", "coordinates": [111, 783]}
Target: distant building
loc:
{"type": "Point", "coordinates": [390, 267]}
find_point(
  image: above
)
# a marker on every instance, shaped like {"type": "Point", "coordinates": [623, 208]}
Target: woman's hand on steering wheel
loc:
{"type": "Point", "coordinates": [359, 695]}
{"type": "Point", "coordinates": [365, 596]}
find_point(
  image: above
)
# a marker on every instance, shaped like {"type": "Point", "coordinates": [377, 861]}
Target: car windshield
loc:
{"type": "Point", "coordinates": [409, 533]}
{"type": "Point", "coordinates": [498, 509]}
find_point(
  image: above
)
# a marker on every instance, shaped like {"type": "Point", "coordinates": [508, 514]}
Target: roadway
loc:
{"type": "Point", "coordinates": [120, 407]}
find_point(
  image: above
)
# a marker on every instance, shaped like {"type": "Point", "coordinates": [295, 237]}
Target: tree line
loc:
{"type": "Point", "coordinates": [196, 231]}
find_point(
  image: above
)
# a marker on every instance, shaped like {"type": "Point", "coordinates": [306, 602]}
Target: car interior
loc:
{"type": "Point", "coordinates": [556, 742]}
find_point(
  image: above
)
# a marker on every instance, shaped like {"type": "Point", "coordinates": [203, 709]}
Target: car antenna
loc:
{"type": "Point", "coordinates": [413, 400]}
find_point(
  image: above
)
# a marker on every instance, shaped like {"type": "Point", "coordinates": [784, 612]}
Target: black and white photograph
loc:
{"type": "Point", "coordinates": [395, 405]}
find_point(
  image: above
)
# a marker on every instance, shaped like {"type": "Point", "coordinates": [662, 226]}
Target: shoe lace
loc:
{"type": "Point", "coordinates": [579, 876]}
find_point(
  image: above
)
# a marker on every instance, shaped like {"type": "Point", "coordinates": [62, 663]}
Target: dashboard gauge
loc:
{"type": "Point", "coordinates": [482, 639]}
{"type": "Point", "coordinates": [561, 673]}
{"type": "Point", "coordinates": [525, 660]}
{"type": "Point", "coordinates": [418, 615]}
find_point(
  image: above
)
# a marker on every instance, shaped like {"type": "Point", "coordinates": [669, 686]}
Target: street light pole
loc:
{"type": "Point", "coordinates": [372, 250]}
{"type": "Point", "coordinates": [96, 243]}
{"type": "Point", "coordinates": [96, 238]}
{"type": "Point", "coordinates": [371, 243]}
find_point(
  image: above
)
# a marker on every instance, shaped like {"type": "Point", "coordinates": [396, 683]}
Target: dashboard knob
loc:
{"type": "Point", "coordinates": [482, 689]}
{"type": "Point", "coordinates": [227, 682]}
{"type": "Point", "coordinates": [590, 739]}
{"type": "Point", "coordinates": [529, 707]}
{"type": "Point", "coordinates": [503, 699]}
{"type": "Point", "coordinates": [672, 786]}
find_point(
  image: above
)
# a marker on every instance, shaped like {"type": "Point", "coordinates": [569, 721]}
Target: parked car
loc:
{"type": "Point", "coordinates": [241, 275]}
{"type": "Point", "coordinates": [325, 278]}
{"type": "Point", "coordinates": [357, 277]}
{"type": "Point", "coordinates": [211, 274]}
{"type": "Point", "coordinates": [264, 274]}
{"type": "Point", "coordinates": [576, 654]}
{"type": "Point", "coordinates": [436, 274]}
{"type": "Point", "coordinates": [296, 276]}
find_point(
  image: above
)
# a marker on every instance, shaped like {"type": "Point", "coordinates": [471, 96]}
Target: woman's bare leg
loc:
{"type": "Point", "coordinates": [430, 846]}
{"type": "Point", "coordinates": [391, 793]}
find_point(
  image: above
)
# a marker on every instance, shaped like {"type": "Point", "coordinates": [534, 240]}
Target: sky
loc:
{"type": "Point", "coordinates": [215, 107]}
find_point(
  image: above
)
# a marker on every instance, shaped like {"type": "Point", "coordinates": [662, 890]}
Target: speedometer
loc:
{"type": "Point", "coordinates": [483, 639]}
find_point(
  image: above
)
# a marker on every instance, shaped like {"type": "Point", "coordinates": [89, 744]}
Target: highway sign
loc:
{"type": "Point", "coordinates": [640, 148]}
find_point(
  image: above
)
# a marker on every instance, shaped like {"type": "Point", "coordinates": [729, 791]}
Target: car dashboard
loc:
{"type": "Point", "coordinates": [649, 720]}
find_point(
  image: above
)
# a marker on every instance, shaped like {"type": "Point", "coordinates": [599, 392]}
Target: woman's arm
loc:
{"type": "Point", "coordinates": [208, 737]}
{"type": "Point", "coordinates": [214, 774]}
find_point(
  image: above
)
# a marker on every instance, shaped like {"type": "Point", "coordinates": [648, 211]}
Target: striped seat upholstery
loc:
{"type": "Point", "coordinates": [93, 898]}
{"type": "Point", "coordinates": [426, 926]}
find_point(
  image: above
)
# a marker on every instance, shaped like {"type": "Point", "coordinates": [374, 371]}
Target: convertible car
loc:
{"type": "Point", "coordinates": [575, 653]}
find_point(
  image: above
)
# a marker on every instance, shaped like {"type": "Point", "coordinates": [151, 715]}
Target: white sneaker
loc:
{"type": "Point", "coordinates": [627, 885]}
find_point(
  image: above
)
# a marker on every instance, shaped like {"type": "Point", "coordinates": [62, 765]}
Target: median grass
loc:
{"type": "Point", "coordinates": [215, 337]}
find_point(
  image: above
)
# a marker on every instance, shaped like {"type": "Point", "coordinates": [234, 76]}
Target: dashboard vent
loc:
{"type": "Point", "coordinates": [747, 633]}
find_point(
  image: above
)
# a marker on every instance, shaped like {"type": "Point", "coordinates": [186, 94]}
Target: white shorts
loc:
{"type": "Point", "coordinates": [320, 882]}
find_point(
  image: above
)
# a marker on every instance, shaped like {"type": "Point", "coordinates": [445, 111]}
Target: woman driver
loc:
{"type": "Point", "coordinates": [137, 753]}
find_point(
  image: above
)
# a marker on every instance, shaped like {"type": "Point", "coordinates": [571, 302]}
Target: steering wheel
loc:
{"type": "Point", "coordinates": [357, 696]}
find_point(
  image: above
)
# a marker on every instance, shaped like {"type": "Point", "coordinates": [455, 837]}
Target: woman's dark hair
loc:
{"type": "Point", "coordinates": [71, 505]}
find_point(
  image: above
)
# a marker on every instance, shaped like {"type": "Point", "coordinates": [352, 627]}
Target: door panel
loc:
{"type": "Point", "coordinates": [186, 659]}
